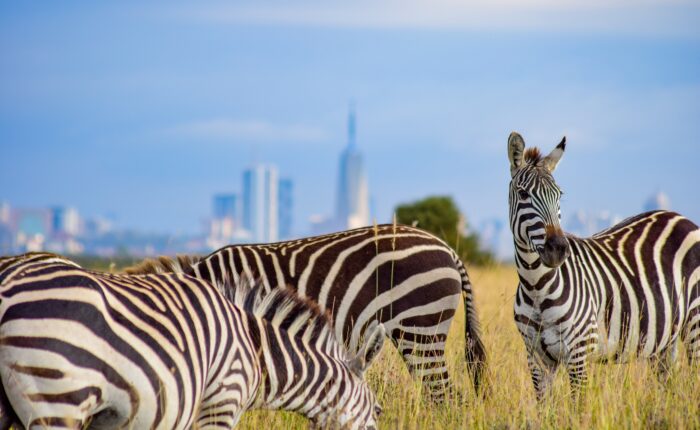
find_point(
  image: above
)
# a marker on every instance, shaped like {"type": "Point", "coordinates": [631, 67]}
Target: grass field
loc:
{"type": "Point", "coordinates": [624, 396]}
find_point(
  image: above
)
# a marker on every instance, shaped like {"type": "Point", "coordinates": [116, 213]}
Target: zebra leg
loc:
{"type": "Point", "coordinates": [425, 359]}
{"type": "Point", "coordinates": [542, 375]}
{"type": "Point", "coordinates": [665, 362]}
{"type": "Point", "coordinates": [692, 333]}
{"type": "Point", "coordinates": [577, 368]}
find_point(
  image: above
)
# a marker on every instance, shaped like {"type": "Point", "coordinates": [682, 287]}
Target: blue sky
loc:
{"type": "Point", "coordinates": [143, 112]}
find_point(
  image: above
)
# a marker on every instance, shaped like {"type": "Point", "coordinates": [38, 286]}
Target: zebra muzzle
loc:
{"type": "Point", "coordinates": [556, 248]}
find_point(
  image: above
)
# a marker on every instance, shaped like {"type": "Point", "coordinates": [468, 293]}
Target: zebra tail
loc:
{"type": "Point", "coordinates": [475, 352]}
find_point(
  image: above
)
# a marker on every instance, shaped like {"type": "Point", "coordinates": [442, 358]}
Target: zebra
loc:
{"type": "Point", "coordinates": [632, 290]}
{"type": "Point", "coordinates": [80, 348]}
{"type": "Point", "coordinates": [400, 276]}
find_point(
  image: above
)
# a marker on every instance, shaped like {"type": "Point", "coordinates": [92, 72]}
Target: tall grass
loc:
{"type": "Point", "coordinates": [619, 396]}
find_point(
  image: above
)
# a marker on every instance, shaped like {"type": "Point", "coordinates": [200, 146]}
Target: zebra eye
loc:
{"type": "Point", "coordinates": [377, 410]}
{"type": "Point", "coordinates": [523, 194]}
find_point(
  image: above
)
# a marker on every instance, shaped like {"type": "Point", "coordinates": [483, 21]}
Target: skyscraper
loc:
{"type": "Point", "coordinates": [260, 200]}
{"type": "Point", "coordinates": [352, 209]}
{"type": "Point", "coordinates": [656, 201]}
{"type": "Point", "coordinates": [227, 206]}
{"type": "Point", "coordinates": [65, 220]}
{"type": "Point", "coordinates": [286, 204]}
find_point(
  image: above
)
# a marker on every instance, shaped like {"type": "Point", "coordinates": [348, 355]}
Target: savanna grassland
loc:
{"type": "Point", "coordinates": [619, 396]}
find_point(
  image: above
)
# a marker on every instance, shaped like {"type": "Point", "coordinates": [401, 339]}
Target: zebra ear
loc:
{"type": "Point", "coordinates": [516, 146]}
{"type": "Point", "coordinates": [550, 161]}
{"type": "Point", "coordinates": [368, 352]}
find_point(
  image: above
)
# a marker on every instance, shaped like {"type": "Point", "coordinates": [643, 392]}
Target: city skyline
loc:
{"type": "Point", "coordinates": [62, 229]}
{"type": "Point", "coordinates": [142, 113]}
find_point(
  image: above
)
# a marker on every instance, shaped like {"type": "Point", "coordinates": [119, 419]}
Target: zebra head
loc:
{"type": "Point", "coordinates": [359, 409]}
{"type": "Point", "coordinates": [533, 202]}
{"type": "Point", "coordinates": [306, 369]}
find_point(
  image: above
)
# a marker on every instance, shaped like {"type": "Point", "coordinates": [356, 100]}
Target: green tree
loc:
{"type": "Point", "coordinates": [441, 216]}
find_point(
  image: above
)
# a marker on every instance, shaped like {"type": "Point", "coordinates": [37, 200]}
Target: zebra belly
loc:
{"type": "Point", "coordinates": [623, 346]}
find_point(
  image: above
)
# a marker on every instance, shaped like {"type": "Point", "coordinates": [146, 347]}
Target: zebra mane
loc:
{"type": "Point", "coordinates": [163, 264]}
{"type": "Point", "coordinates": [283, 309]}
{"type": "Point", "coordinates": [533, 155]}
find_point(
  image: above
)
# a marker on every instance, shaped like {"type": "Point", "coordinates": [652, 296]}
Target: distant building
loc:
{"type": "Point", "coordinates": [6, 240]}
{"type": "Point", "coordinates": [352, 208]}
{"type": "Point", "coordinates": [32, 221]}
{"type": "Point", "coordinates": [226, 225]}
{"type": "Point", "coordinates": [321, 224]}
{"type": "Point", "coordinates": [583, 224]}
{"type": "Point", "coordinates": [286, 205]}
{"type": "Point", "coordinates": [31, 228]}
{"type": "Point", "coordinates": [657, 201]}
{"type": "Point", "coordinates": [97, 226]}
{"type": "Point", "coordinates": [65, 221]}
{"type": "Point", "coordinates": [260, 200]}
{"type": "Point", "coordinates": [227, 206]}
{"type": "Point", "coordinates": [6, 236]}
{"type": "Point", "coordinates": [5, 213]}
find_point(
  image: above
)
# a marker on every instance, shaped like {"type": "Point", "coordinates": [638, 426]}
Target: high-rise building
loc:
{"type": "Point", "coordinates": [286, 205]}
{"type": "Point", "coordinates": [225, 227]}
{"type": "Point", "coordinates": [6, 239]}
{"type": "Point", "coordinates": [227, 206]}
{"type": "Point", "coordinates": [657, 201]}
{"type": "Point", "coordinates": [260, 199]}
{"type": "Point", "coordinates": [65, 220]}
{"type": "Point", "coordinates": [352, 209]}
{"type": "Point", "coordinates": [5, 213]}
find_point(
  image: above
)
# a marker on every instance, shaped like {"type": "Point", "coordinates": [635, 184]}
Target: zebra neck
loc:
{"type": "Point", "coordinates": [284, 371]}
{"type": "Point", "coordinates": [534, 275]}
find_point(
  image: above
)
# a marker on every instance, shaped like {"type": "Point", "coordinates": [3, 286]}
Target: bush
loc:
{"type": "Point", "coordinates": [440, 216]}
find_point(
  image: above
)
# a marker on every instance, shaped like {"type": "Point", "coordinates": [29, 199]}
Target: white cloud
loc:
{"type": "Point", "coordinates": [661, 17]}
{"type": "Point", "coordinates": [235, 130]}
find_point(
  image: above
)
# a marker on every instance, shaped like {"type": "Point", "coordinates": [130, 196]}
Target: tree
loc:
{"type": "Point", "coordinates": [440, 216]}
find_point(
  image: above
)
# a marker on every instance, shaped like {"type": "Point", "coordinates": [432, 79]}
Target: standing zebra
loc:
{"type": "Point", "coordinates": [631, 290]}
{"type": "Point", "coordinates": [80, 348]}
{"type": "Point", "coordinates": [403, 277]}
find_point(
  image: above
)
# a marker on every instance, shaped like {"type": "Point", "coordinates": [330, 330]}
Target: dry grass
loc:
{"type": "Point", "coordinates": [619, 396]}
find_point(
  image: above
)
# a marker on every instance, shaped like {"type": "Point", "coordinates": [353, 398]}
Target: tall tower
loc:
{"type": "Point", "coordinates": [260, 199]}
{"type": "Point", "coordinates": [352, 209]}
{"type": "Point", "coordinates": [286, 206]}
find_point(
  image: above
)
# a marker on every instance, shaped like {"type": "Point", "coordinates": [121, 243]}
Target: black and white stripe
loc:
{"type": "Point", "coordinates": [632, 290]}
{"type": "Point", "coordinates": [403, 277]}
{"type": "Point", "coordinates": [80, 348]}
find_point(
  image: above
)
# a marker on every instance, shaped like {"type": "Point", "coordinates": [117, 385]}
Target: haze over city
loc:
{"type": "Point", "coordinates": [144, 113]}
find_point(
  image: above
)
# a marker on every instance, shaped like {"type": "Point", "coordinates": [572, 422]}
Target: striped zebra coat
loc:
{"type": "Point", "coordinates": [400, 276]}
{"type": "Point", "coordinates": [79, 348]}
{"type": "Point", "coordinates": [632, 290]}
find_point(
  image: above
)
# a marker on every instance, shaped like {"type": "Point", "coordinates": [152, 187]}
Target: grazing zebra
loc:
{"type": "Point", "coordinates": [400, 276]}
{"type": "Point", "coordinates": [631, 290]}
{"type": "Point", "coordinates": [79, 348]}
